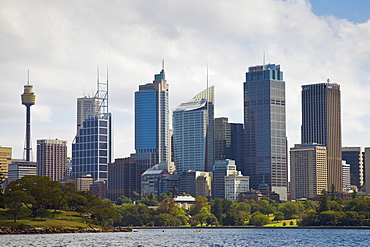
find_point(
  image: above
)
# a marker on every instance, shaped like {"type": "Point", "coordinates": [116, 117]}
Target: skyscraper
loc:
{"type": "Point", "coordinates": [354, 157]}
{"type": "Point", "coordinates": [265, 128]}
{"type": "Point", "coordinates": [152, 139]}
{"type": "Point", "coordinates": [51, 158]}
{"type": "Point", "coordinates": [229, 141]}
{"type": "Point", "coordinates": [124, 178]}
{"type": "Point", "coordinates": [222, 138]}
{"type": "Point", "coordinates": [321, 123]}
{"type": "Point", "coordinates": [92, 148]}
{"type": "Point", "coordinates": [193, 133]}
{"type": "Point", "coordinates": [86, 107]}
{"type": "Point", "coordinates": [308, 169]}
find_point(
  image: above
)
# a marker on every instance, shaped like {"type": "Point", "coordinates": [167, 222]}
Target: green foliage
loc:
{"type": "Point", "coordinates": [199, 203]}
{"type": "Point", "coordinates": [42, 213]}
{"type": "Point", "coordinates": [291, 210]}
{"type": "Point", "coordinates": [217, 209]}
{"type": "Point", "coordinates": [149, 200]}
{"type": "Point", "coordinates": [259, 219]}
{"type": "Point", "coordinates": [278, 216]}
{"type": "Point", "coordinates": [123, 199]}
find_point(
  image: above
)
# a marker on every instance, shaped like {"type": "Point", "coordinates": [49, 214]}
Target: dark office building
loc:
{"type": "Point", "coordinates": [321, 123]}
{"type": "Point", "coordinates": [354, 157]}
{"type": "Point", "coordinates": [229, 141]}
{"type": "Point", "coordinates": [124, 177]}
{"type": "Point", "coordinates": [265, 155]}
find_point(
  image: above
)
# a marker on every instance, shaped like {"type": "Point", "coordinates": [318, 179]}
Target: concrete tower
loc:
{"type": "Point", "coordinates": [321, 123]}
{"type": "Point", "coordinates": [28, 99]}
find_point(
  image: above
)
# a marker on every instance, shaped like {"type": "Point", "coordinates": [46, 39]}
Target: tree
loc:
{"type": "Point", "coordinates": [123, 199]}
{"type": "Point", "coordinates": [42, 212]}
{"type": "Point", "coordinates": [259, 219]}
{"type": "Point", "coordinates": [212, 220]}
{"type": "Point", "coordinates": [14, 201]}
{"type": "Point", "coordinates": [104, 212]}
{"type": "Point", "coordinates": [291, 209]}
{"type": "Point", "coordinates": [216, 209]}
{"type": "Point", "coordinates": [235, 218]}
{"type": "Point", "coordinates": [323, 205]}
{"type": "Point", "coordinates": [168, 206]}
{"type": "Point", "coordinates": [149, 200]}
{"type": "Point", "coordinates": [199, 203]}
{"type": "Point", "coordinates": [278, 216]}
{"type": "Point", "coordinates": [42, 191]}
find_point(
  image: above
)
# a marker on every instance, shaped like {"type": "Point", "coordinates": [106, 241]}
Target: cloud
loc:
{"type": "Point", "coordinates": [63, 42]}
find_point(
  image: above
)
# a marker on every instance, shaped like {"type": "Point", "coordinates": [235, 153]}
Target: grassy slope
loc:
{"type": "Point", "coordinates": [61, 219]}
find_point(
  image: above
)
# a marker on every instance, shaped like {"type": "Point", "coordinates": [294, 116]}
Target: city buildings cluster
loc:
{"type": "Point", "coordinates": [201, 155]}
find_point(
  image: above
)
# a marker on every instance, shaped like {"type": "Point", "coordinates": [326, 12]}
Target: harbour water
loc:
{"type": "Point", "coordinates": [194, 237]}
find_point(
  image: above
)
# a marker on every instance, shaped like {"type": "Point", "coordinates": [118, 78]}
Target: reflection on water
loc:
{"type": "Point", "coordinates": [191, 237]}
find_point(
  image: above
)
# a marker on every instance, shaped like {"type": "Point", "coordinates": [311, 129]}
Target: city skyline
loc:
{"type": "Point", "coordinates": [62, 49]}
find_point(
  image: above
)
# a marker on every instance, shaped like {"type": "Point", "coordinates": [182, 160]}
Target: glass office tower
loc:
{"type": "Point", "coordinates": [92, 148]}
{"type": "Point", "coordinates": [265, 150]}
{"type": "Point", "coordinates": [192, 131]}
{"type": "Point", "coordinates": [152, 140]}
{"type": "Point", "coordinates": [321, 123]}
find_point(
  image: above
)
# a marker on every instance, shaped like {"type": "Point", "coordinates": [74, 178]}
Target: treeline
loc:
{"type": "Point", "coordinates": [333, 211]}
{"type": "Point", "coordinates": [38, 196]}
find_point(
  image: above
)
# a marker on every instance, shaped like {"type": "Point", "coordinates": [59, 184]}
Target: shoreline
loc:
{"type": "Point", "coordinates": [54, 230]}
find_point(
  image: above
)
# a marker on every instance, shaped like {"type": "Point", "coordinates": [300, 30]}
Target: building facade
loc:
{"type": "Point", "coordinates": [354, 157]}
{"type": "Point", "coordinates": [321, 123]}
{"type": "Point", "coordinates": [51, 158]}
{"type": "Point", "coordinates": [236, 184]}
{"type": "Point", "coordinates": [124, 178]}
{"type": "Point", "coordinates": [92, 149]}
{"type": "Point", "coordinates": [308, 170]}
{"type": "Point", "coordinates": [152, 137]}
{"type": "Point", "coordinates": [193, 134]}
{"type": "Point", "coordinates": [196, 183]}
{"type": "Point", "coordinates": [20, 168]}
{"type": "Point", "coordinates": [5, 160]}
{"type": "Point", "coordinates": [265, 148]}
{"type": "Point", "coordinates": [87, 107]}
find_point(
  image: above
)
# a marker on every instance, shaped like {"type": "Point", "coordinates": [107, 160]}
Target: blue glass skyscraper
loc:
{"type": "Point", "coordinates": [152, 142]}
{"type": "Point", "coordinates": [193, 133]}
{"type": "Point", "coordinates": [265, 147]}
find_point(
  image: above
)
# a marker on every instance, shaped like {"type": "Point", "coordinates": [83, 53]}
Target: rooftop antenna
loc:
{"type": "Point", "coordinates": [28, 77]}
{"type": "Point", "coordinates": [162, 64]}
{"type": "Point", "coordinates": [207, 75]}
{"type": "Point", "coordinates": [264, 57]}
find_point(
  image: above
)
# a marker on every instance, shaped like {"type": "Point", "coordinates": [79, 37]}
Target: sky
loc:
{"type": "Point", "coordinates": [63, 43]}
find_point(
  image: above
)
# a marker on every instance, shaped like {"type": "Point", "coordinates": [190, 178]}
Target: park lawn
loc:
{"type": "Point", "coordinates": [61, 219]}
{"type": "Point", "coordinates": [281, 223]}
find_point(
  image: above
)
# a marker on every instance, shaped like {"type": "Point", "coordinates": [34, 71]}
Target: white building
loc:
{"type": "Point", "coordinates": [346, 175]}
{"type": "Point", "coordinates": [235, 184]}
